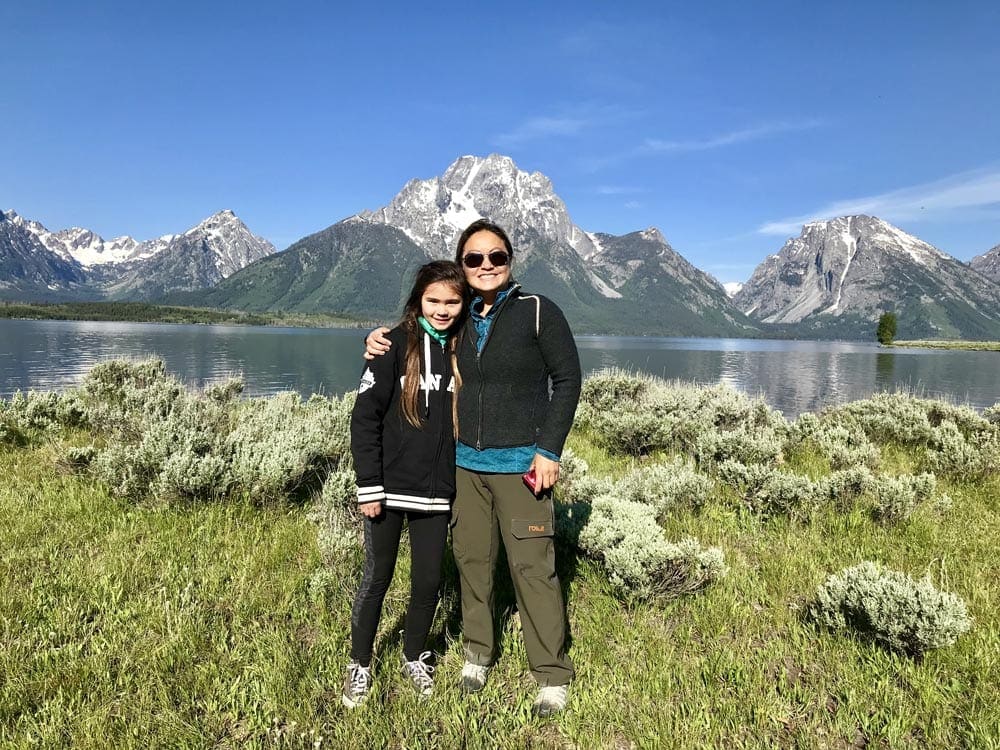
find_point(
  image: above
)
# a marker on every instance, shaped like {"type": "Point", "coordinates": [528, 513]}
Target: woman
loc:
{"type": "Point", "coordinates": [511, 349]}
{"type": "Point", "coordinates": [403, 445]}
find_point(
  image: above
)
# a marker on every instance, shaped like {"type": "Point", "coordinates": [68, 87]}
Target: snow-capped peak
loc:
{"type": "Point", "coordinates": [882, 233]}
{"type": "Point", "coordinates": [435, 211]}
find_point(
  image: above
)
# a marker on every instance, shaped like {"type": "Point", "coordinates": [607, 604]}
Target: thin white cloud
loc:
{"type": "Point", "coordinates": [617, 190]}
{"type": "Point", "coordinates": [632, 205]}
{"type": "Point", "coordinates": [570, 120]}
{"type": "Point", "coordinates": [653, 146]}
{"type": "Point", "coordinates": [658, 146]}
{"type": "Point", "coordinates": [541, 127]}
{"type": "Point", "coordinates": [945, 198]}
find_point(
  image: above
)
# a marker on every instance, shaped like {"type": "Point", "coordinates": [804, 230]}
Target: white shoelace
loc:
{"type": "Point", "coordinates": [420, 671]}
{"type": "Point", "coordinates": [361, 678]}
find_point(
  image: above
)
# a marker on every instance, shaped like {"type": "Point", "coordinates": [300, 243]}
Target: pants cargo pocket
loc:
{"type": "Point", "coordinates": [527, 528]}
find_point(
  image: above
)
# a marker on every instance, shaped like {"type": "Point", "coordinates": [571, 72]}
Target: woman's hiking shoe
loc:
{"type": "Point", "coordinates": [473, 677]}
{"type": "Point", "coordinates": [420, 673]}
{"type": "Point", "coordinates": [357, 685]}
{"type": "Point", "coordinates": [550, 700]}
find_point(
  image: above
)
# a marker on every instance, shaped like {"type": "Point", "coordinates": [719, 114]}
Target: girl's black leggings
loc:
{"type": "Point", "coordinates": [428, 532]}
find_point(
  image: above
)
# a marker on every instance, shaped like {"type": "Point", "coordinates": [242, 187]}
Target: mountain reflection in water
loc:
{"type": "Point", "coordinates": [792, 376]}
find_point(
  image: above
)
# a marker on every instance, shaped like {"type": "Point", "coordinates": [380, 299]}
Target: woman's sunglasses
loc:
{"type": "Point", "coordinates": [497, 258]}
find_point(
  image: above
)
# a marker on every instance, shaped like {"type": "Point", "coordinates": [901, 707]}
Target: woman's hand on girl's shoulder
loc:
{"type": "Point", "coordinates": [377, 343]}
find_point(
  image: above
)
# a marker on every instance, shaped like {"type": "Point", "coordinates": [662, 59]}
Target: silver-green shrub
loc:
{"type": "Point", "coordinates": [740, 476]}
{"type": "Point", "coordinates": [46, 410]}
{"type": "Point", "coordinates": [278, 443]}
{"type": "Point", "coordinates": [890, 608]}
{"type": "Point", "coordinates": [992, 414]}
{"type": "Point", "coordinates": [783, 494]}
{"type": "Point", "coordinates": [886, 417]}
{"type": "Point", "coordinates": [843, 488]}
{"type": "Point", "coordinates": [768, 491]}
{"type": "Point", "coordinates": [744, 444]}
{"type": "Point", "coordinates": [639, 414]}
{"type": "Point", "coordinates": [896, 498]}
{"type": "Point", "coordinates": [339, 520]}
{"type": "Point", "coordinates": [11, 433]}
{"type": "Point", "coordinates": [576, 483]}
{"type": "Point", "coordinates": [665, 486]}
{"type": "Point", "coordinates": [121, 397]}
{"type": "Point", "coordinates": [968, 456]}
{"type": "Point", "coordinates": [163, 440]}
{"type": "Point", "coordinates": [339, 537]}
{"type": "Point", "coordinates": [841, 445]}
{"type": "Point", "coordinates": [639, 562]}
{"type": "Point", "coordinates": [78, 458]}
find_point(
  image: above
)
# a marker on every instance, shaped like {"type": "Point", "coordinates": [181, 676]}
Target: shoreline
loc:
{"type": "Point", "coordinates": [140, 312]}
{"type": "Point", "coordinates": [972, 346]}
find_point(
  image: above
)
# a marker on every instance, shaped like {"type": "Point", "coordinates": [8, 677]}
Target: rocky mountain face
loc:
{"type": "Point", "coordinates": [79, 264]}
{"type": "Point", "coordinates": [434, 212]}
{"type": "Point", "coordinates": [841, 275]}
{"type": "Point", "coordinates": [28, 268]}
{"type": "Point", "coordinates": [199, 258]}
{"type": "Point", "coordinates": [635, 283]}
{"type": "Point", "coordinates": [363, 265]}
{"type": "Point", "coordinates": [353, 267]}
{"type": "Point", "coordinates": [988, 264]}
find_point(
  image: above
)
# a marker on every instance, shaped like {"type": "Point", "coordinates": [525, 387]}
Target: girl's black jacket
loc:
{"type": "Point", "coordinates": [396, 463]}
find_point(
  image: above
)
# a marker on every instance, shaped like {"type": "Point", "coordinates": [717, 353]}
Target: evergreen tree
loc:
{"type": "Point", "coordinates": [886, 331]}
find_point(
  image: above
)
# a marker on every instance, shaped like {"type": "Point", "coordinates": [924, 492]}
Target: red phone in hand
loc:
{"type": "Point", "coordinates": [529, 479]}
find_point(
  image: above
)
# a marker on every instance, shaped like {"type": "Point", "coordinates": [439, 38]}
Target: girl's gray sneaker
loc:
{"type": "Point", "coordinates": [420, 673]}
{"type": "Point", "coordinates": [357, 685]}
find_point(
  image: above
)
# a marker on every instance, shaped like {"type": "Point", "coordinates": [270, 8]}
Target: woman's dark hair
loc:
{"type": "Point", "coordinates": [482, 225]}
{"type": "Point", "coordinates": [430, 273]}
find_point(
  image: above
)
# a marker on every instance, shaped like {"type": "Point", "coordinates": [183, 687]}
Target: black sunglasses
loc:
{"type": "Point", "coordinates": [497, 258]}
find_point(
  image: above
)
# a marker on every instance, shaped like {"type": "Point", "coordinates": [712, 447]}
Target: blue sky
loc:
{"type": "Point", "coordinates": [725, 125]}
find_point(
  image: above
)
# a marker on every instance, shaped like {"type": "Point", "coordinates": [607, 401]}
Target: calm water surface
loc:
{"type": "Point", "coordinates": [793, 376]}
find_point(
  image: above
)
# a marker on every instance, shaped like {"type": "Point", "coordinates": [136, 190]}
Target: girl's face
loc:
{"type": "Point", "coordinates": [441, 304]}
{"type": "Point", "coordinates": [487, 278]}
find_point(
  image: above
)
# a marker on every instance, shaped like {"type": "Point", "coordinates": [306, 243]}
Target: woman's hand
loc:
{"type": "Point", "coordinates": [546, 473]}
{"type": "Point", "coordinates": [376, 343]}
{"type": "Point", "coordinates": [371, 509]}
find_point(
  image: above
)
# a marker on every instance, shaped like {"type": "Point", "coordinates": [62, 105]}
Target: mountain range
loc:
{"type": "Point", "coordinates": [838, 276]}
{"type": "Point", "coordinates": [363, 265]}
{"type": "Point", "coordinates": [834, 280]}
{"type": "Point", "coordinates": [77, 264]}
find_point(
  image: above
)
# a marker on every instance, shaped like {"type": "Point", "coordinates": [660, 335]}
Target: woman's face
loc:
{"type": "Point", "coordinates": [487, 278]}
{"type": "Point", "coordinates": [441, 304]}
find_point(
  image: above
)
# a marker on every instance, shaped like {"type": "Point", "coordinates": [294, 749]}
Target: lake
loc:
{"type": "Point", "coordinates": [792, 376]}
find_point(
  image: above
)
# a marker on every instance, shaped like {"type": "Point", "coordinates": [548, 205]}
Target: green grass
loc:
{"type": "Point", "coordinates": [146, 313]}
{"type": "Point", "coordinates": [127, 625]}
{"type": "Point", "coordinates": [988, 346]}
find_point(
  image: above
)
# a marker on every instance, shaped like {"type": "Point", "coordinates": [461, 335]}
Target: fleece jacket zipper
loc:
{"type": "Point", "coordinates": [479, 362]}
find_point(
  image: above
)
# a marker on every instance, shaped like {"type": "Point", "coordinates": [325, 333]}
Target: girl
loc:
{"type": "Point", "coordinates": [403, 445]}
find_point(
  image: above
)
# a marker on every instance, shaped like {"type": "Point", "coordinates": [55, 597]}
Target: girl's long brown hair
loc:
{"type": "Point", "coordinates": [430, 273]}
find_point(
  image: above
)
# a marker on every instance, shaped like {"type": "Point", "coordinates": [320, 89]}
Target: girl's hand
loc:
{"type": "Point", "coordinates": [546, 473]}
{"type": "Point", "coordinates": [371, 509]}
{"type": "Point", "coordinates": [376, 343]}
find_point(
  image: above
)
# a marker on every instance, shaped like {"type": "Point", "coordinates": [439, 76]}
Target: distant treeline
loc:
{"type": "Point", "coordinates": [141, 312]}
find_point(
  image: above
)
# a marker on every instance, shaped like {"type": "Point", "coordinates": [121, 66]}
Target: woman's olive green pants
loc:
{"type": "Point", "coordinates": [491, 509]}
